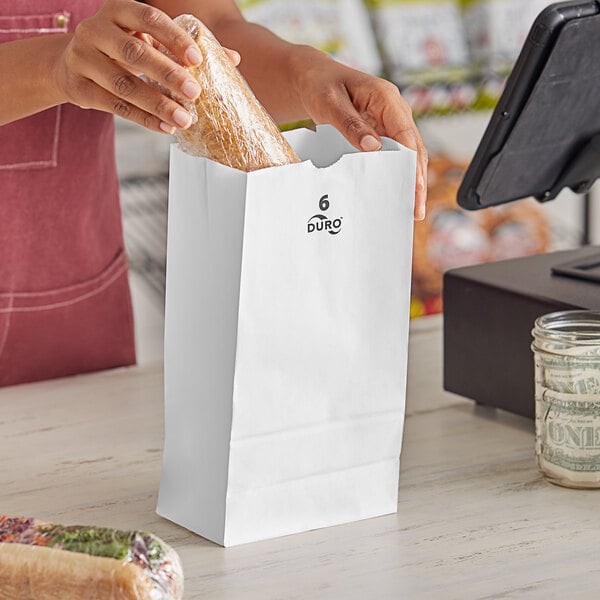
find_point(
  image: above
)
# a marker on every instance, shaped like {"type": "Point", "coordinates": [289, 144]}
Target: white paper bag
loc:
{"type": "Point", "coordinates": [286, 339]}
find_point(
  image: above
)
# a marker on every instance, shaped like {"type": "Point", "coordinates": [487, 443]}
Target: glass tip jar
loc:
{"type": "Point", "coordinates": [566, 348]}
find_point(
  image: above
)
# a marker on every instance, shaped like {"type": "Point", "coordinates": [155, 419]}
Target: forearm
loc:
{"type": "Point", "coordinates": [271, 66]}
{"type": "Point", "coordinates": [27, 84]}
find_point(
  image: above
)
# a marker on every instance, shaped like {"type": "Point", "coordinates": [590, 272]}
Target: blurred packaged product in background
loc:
{"type": "Point", "coordinates": [451, 237]}
{"type": "Point", "coordinates": [425, 53]}
{"type": "Point", "coordinates": [420, 40]}
{"type": "Point", "coordinates": [338, 27]}
{"type": "Point", "coordinates": [496, 29]}
{"type": "Point", "coordinates": [445, 55]}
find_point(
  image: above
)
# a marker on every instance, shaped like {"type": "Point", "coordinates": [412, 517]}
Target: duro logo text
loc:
{"type": "Point", "coordinates": [320, 222]}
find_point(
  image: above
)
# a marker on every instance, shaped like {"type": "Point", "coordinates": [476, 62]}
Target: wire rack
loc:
{"type": "Point", "coordinates": [144, 206]}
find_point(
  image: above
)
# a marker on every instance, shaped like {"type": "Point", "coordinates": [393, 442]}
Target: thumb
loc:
{"type": "Point", "coordinates": [234, 56]}
{"type": "Point", "coordinates": [346, 119]}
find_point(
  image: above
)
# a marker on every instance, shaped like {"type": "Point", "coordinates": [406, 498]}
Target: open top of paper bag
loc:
{"type": "Point", "coordinates": [327, 145]}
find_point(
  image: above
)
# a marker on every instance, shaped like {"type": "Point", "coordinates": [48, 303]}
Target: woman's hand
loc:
{"type": "Point", "coordinates": [101, 63]}
{"type": "Point", "coordinates": [362, 108]}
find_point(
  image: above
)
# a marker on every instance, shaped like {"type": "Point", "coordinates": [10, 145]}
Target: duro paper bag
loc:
{"type": "Point", "coordinates": [286, 338]}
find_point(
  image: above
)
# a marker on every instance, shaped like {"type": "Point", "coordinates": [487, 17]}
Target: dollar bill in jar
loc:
{"type": "Point", "coordinates": [566, 351]}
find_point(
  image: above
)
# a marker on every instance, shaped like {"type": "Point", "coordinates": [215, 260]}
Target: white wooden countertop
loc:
{"type": "Point", "coordinates": [475, 518]}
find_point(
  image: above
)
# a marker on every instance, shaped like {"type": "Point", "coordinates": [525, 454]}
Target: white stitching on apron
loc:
{"type": "Point", "coordinates": [6, 326]}
{"type": "Point", "coordinates": [53, 162]}
{"type": "Point", "coordinates": [65, 303]}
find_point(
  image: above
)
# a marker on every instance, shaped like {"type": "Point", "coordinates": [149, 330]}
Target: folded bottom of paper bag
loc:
{"type": "Point", "coordinates": [296, 506]}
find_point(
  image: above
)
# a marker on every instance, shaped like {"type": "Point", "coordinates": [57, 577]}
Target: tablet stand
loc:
{"type": "Point", "coordinates": [580, 173]}
{"type": "Point", "coordinates": [587, 269]}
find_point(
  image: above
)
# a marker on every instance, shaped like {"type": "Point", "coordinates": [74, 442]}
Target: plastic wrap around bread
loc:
{"type": "Point", "coordinates": [230, 125]}
{"type": "Point", "coordinates": [42, 561]}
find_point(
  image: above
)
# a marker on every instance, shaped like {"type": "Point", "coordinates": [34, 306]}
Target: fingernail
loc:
{"type": "Point", "coordinates": [420, 216]}
{"type": "Point", "coordinates": [167, 128]}
{"type": "Point", "coordinates": [182, 118]}
{"type": "Point", "coordinates": [370, 143]}
{"type": "Point", "coordinates": [193, 55]}
{"type": "Point", "coordinates": [191, 88]}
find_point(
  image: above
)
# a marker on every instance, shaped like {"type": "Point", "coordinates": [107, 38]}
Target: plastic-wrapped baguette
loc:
{"type": "Point", "coordinates": [42, 561]}
{"type": "Point", "coordinates": [231, 126]}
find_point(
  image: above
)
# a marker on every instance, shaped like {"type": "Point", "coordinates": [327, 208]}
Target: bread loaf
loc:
{"type": "Point", "coordinates": [41, 561]}
{"type": "Point", "coordinates": [230, 125]}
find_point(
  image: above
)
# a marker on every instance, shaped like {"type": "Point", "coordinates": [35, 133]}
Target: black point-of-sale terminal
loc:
{"type": "Point", "coordinates": [544, 135]}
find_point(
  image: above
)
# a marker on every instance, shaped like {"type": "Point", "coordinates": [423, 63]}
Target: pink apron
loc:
{"type": "Point", "coordinates": [64, 296]}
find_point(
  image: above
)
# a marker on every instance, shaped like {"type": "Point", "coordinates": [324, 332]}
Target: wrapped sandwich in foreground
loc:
{"type": "Point", "coordinates": [230, 125]}
{"type": "Point", "coordinates": [42, 561]}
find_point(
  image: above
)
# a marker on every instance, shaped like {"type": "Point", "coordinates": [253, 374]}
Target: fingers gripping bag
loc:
{"type": "Point", "coordinates": [230, 125]}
